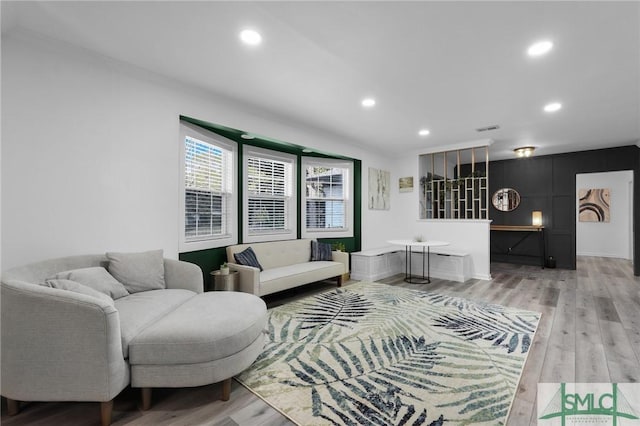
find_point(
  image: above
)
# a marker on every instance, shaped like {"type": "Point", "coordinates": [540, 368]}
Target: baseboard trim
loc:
{"type": "Point", "coordinates": [444, 276]}
{"type": "Point", "coordinates": [612, 256]}
{"type": "Point", "coordinates": [482, 277]}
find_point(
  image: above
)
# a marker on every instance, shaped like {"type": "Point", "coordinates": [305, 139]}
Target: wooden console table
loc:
{"type": "Point", "coordinates": [528, 229]}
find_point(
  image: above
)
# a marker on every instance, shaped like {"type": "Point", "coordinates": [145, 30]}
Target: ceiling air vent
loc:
{"type": "Point", "coordinates": [486, 129]}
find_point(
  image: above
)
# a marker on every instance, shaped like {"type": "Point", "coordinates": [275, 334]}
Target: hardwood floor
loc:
{"type": "Point", "coordinates": [589, 332]}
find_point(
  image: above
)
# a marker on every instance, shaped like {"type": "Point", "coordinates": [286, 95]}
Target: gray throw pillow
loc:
{"type": "Point", "coordinates": [138, 271]}
{"type": "Point", "coordinates": [320, 251]}
{"type": "Point", "coordinates": [76, 287]}
{"type": "Point", "coordinates": [96, 278]}
{"type": "Point", "coordinates": [248, 257]}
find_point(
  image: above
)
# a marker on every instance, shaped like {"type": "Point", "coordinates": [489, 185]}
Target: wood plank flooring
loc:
{"type": "Point", "coordinates": [589, 332]}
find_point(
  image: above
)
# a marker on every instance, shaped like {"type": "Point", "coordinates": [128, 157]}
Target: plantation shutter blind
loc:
{"type": "Point", "coordinates": [269, 187]}
{"type": "Point", "coordinates": [208, 190]}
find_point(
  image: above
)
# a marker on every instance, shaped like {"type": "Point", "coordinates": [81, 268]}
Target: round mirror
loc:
{"type": "Point", "coordinates": [506, 199]}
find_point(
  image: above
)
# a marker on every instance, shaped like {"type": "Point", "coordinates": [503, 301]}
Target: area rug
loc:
{"type": "Point", "coordinates": [377, 354]}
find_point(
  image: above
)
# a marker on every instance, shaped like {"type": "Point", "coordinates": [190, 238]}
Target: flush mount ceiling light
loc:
{"type": "Point", "coordinates": [247, 136]}
{"type": "Point", "coordinates": [525, 151]}
{"type": "Point", "coordinates": [307, 150]}
{"type": "Point", "coordinates": [250, 37]}
{"type": "Point", "coordinates": [424, 132]}
{"type": "Point", "coordinates": [368, 102]}
{"type": "Point", "coordinates": [539, 48]}
{"type": "Point", "coordinates": [552, 107]}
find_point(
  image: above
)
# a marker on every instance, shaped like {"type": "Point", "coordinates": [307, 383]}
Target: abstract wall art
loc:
{"type": "Point", "coordinates": [379, 189]}
{"type": "Point", "coordinates": [594, 204]}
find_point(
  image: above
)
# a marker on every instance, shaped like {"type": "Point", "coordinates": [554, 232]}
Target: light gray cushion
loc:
{"type": "Point", "coordinates": [76, 287]}
{"type": "Point", "coordinates": [97, 278]}
{"type": "Point", "coordinates": [138, 271]}
{"type": "Point", "coordinates": [285, 277]}
{"type": "Point", "coordinates": [198, 374]}
{"type": "Point", "coordinates": [143, 309]}
{"type": "Point", "coordinates": [210, 326]}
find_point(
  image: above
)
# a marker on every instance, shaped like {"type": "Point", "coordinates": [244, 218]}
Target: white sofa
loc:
{"type": "Point", "coordinates": [286, 265]}
{"type": "Point", "coordinates": [61, 345]}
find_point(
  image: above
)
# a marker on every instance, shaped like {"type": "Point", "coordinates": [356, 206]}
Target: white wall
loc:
{"type": "Point", "coordinates": [471, 236]}
{"type": "Point", "coordinates": [91, 152]}
{"type": "Point", "coordinates": [613, 239]}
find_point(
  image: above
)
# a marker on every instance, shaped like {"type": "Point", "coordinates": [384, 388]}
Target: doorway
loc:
{"type": "Point", "coordinates": [604, 214]}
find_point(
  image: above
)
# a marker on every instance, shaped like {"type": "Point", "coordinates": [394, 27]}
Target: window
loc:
{"type": "Point", "coordinates": [270, 196]}
{"type": "Point", "coordinates": [328, 198]}
{"type": "Point", "coordinates": [208, 199]}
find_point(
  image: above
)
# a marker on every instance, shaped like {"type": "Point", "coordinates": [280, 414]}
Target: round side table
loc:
{"type": "Point", "coordinates": [225, 282]}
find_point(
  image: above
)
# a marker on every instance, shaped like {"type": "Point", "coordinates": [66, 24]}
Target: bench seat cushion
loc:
{"type": "Point", "coordinates": [140, 310]}
{"type": "Point", "coordinates": [207, 327]}
{"type": "Point", "coordinates": [284, 277]}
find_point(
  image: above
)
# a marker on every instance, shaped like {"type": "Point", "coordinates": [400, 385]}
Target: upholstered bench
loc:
{"type": "Point", "coordinates": [209, 338]}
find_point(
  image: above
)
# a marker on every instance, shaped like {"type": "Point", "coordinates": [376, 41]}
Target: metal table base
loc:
{"type": "Point", "coordinates": [416, 279]}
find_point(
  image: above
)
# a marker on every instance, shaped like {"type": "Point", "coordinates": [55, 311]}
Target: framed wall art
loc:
{"type": "Point", "coordinates": [594, 205]}
{"type": "Point", "coordinates": [379, 189]}
{"type": "Point", "coordinates": [405, 184]}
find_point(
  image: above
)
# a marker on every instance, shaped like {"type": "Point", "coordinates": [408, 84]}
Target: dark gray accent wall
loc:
{"type": "Point", "coordinates": [548, 183]}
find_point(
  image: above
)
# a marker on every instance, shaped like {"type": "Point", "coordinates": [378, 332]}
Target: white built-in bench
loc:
{"type": "Point", "coordinates": [446, 262]}
{"type": "Point", "coordinates": [376, 264]}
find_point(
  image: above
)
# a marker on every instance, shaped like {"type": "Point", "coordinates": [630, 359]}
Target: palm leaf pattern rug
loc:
{"type": "Point", "coordinates": [376, 354]}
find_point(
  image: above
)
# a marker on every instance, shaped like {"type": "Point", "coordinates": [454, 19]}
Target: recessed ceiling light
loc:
{"type": "Point", "coordinates": [368, 102]}
{"type": "Point", "coordinates": [250, 37]}
{"type": "Point", "coordinates": [247, 136]}
{"type": "Point", "coordinates": [552, 107]}
{"type": "Point", "coordinates": [424, 132]}
{"type": "Point", "coordinates": [539, 48]}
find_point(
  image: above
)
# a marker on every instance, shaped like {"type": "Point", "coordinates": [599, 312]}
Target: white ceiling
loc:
{"type": "Point", "coordinates": [448, 66]}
